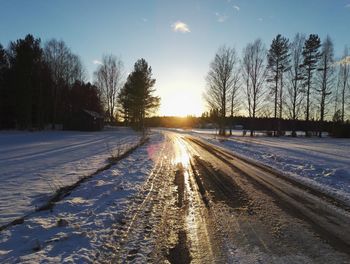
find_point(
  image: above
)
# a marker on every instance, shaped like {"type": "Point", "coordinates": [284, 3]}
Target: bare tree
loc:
{"type": "Point", "coordinates": [220, 82]}
{"type": "Point", "coordinates": [266, 111]}
{"type": "Point", "coordinates": [344, 80]}
{"type": "Point", "coordinates": [77, 70]}
{"type": "Point", "coordinates": [66, 68]}
{"type": "Point", "coordinates": [295, 77]}
{"type": "Point", "coordinates": [254, 72]}
{"type": "Point", "coordinates": [108, 78]}
{"type": "Point", "coordinates": [326, 72]}
{"type": "Point", "coordinates": [235, 95]}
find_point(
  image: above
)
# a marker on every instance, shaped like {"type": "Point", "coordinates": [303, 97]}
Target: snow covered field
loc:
{"type": "Point", "coordinates": [34, 164]}
{"type": "Point", "coordinates": [320, 162]}
{"type": "Point", "coordinates": [81, 225]}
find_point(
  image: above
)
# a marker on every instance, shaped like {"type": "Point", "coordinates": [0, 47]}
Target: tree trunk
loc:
{"type": "Point", "coordinates": [307, 134]}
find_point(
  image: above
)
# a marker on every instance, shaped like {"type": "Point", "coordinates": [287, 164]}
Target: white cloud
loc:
{"type": "Point", "coordinates": [347, 5]}
{"type": "Point", "coordinates": [144, 19]}
{"type": "Point", "coordinates": [236, 7]}
{"type": "Point", "coordinates": [260, 19]}
{"type": "Point", "coordinates": [97, 62]}
{"type": "Point", "coordinates": [179, 26]}
{"type": "Point", "coordinates": [221, 18]}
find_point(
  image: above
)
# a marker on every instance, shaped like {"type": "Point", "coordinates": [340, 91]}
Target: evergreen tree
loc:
{"type": "Point", "coordinates": [311, 57]}
{"type": "Point", "coordinates": [3, 60]}
{"type": "Point", "coordinates": [84, 96]}
{"type": "Point", "coordinates": [3, 89]}
{"type": "Point", "coordinates": [25, 56]}
{"type": "Point", "coordinates": [137, 96]}
{"type": "Point", "coordinates": [277, 64]}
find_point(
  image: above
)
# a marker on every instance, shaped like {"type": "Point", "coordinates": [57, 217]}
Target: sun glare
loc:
{"type": "Point", "coordinates": [181, 103]}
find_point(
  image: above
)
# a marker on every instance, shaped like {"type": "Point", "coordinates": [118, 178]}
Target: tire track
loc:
{"type": "Point", "coordinates": [328, 216]}
{"type": "Point", "coordinates": [142, 234]}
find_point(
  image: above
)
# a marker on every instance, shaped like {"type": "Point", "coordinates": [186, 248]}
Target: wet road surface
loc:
{"type": "Point", "coordinates": [202, 204]}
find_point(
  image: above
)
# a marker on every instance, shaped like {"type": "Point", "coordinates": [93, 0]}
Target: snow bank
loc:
{"type": "Point", "coordinates": [320, 162]}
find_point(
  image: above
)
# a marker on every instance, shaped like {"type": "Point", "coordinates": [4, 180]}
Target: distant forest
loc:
{"type": "Point", "coordinates": [264, 125]}
{"type": "Point", "coordinates": [292, 85]}
{"type": "Point", "coordinates": [45, 85]}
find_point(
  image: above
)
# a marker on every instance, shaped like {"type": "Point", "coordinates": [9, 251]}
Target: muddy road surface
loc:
{"type": "Point", "coordinates": [203, 204]}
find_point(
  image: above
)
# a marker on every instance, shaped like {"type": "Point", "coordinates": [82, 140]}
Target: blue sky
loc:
{"type": "Point", "coordinates": [134, 29]}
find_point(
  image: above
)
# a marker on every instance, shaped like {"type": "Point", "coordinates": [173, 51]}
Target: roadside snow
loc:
{"type": "Point", "coordinates": [78, 226]}
{"type": "Point", "coordinates": [320, 162]}
{"type": "Point", "coordinates": [35, 164]}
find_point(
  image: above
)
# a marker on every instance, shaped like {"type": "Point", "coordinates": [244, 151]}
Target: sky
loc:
{"type": "Point", "coordinates": [178, 38]}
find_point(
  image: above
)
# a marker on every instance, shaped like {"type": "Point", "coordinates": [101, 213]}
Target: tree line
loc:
{"type": "Point", "coordinates": [297, 79]}
{"type": "Point", "coordinates": [44, 85]}
{"type": "Point", "coordinates": [264, 125]}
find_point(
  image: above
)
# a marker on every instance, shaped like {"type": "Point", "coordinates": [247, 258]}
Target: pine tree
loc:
{"type": "Point", "coordinates": [3, 90]}
{"type": "Point", "coordinates": [3, 60]}
{"type": "Point", "coordinates": [311, 56]}
{"type": "Point", "coordinates": [26, 63]}
{"type": "Point", "coordinates": [136, 97]}
{"type": "Point", "coordinates": [278, 64]}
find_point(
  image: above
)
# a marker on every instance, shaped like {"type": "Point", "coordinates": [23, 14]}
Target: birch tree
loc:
{"type": "Point", "coordinates": [254, 72]}
{"type": "Point", "coordinates": [344, 80]}
{"type": "Point", "coordinates": [326, 78]}
{"type": "Point", "coordinates": [66, 68]}
{"type": "Point", "coordinates": [295, 78]}
{"type": "Point", "coordinates": [108, 79]}
{"type": "Point", "coordinates": [220, 83]}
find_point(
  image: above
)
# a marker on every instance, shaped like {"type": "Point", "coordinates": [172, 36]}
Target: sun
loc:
{"type": "Point", "coordinates": [181, 103]}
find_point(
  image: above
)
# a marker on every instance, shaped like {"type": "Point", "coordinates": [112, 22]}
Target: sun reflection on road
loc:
{"type": "Point", "coordinates": [182, 155]}
{"type": "Point", "coordinates": [195, 222]}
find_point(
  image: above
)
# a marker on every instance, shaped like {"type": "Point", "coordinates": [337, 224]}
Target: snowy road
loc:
{"type": "Point", "coordinates": [179, 199]}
